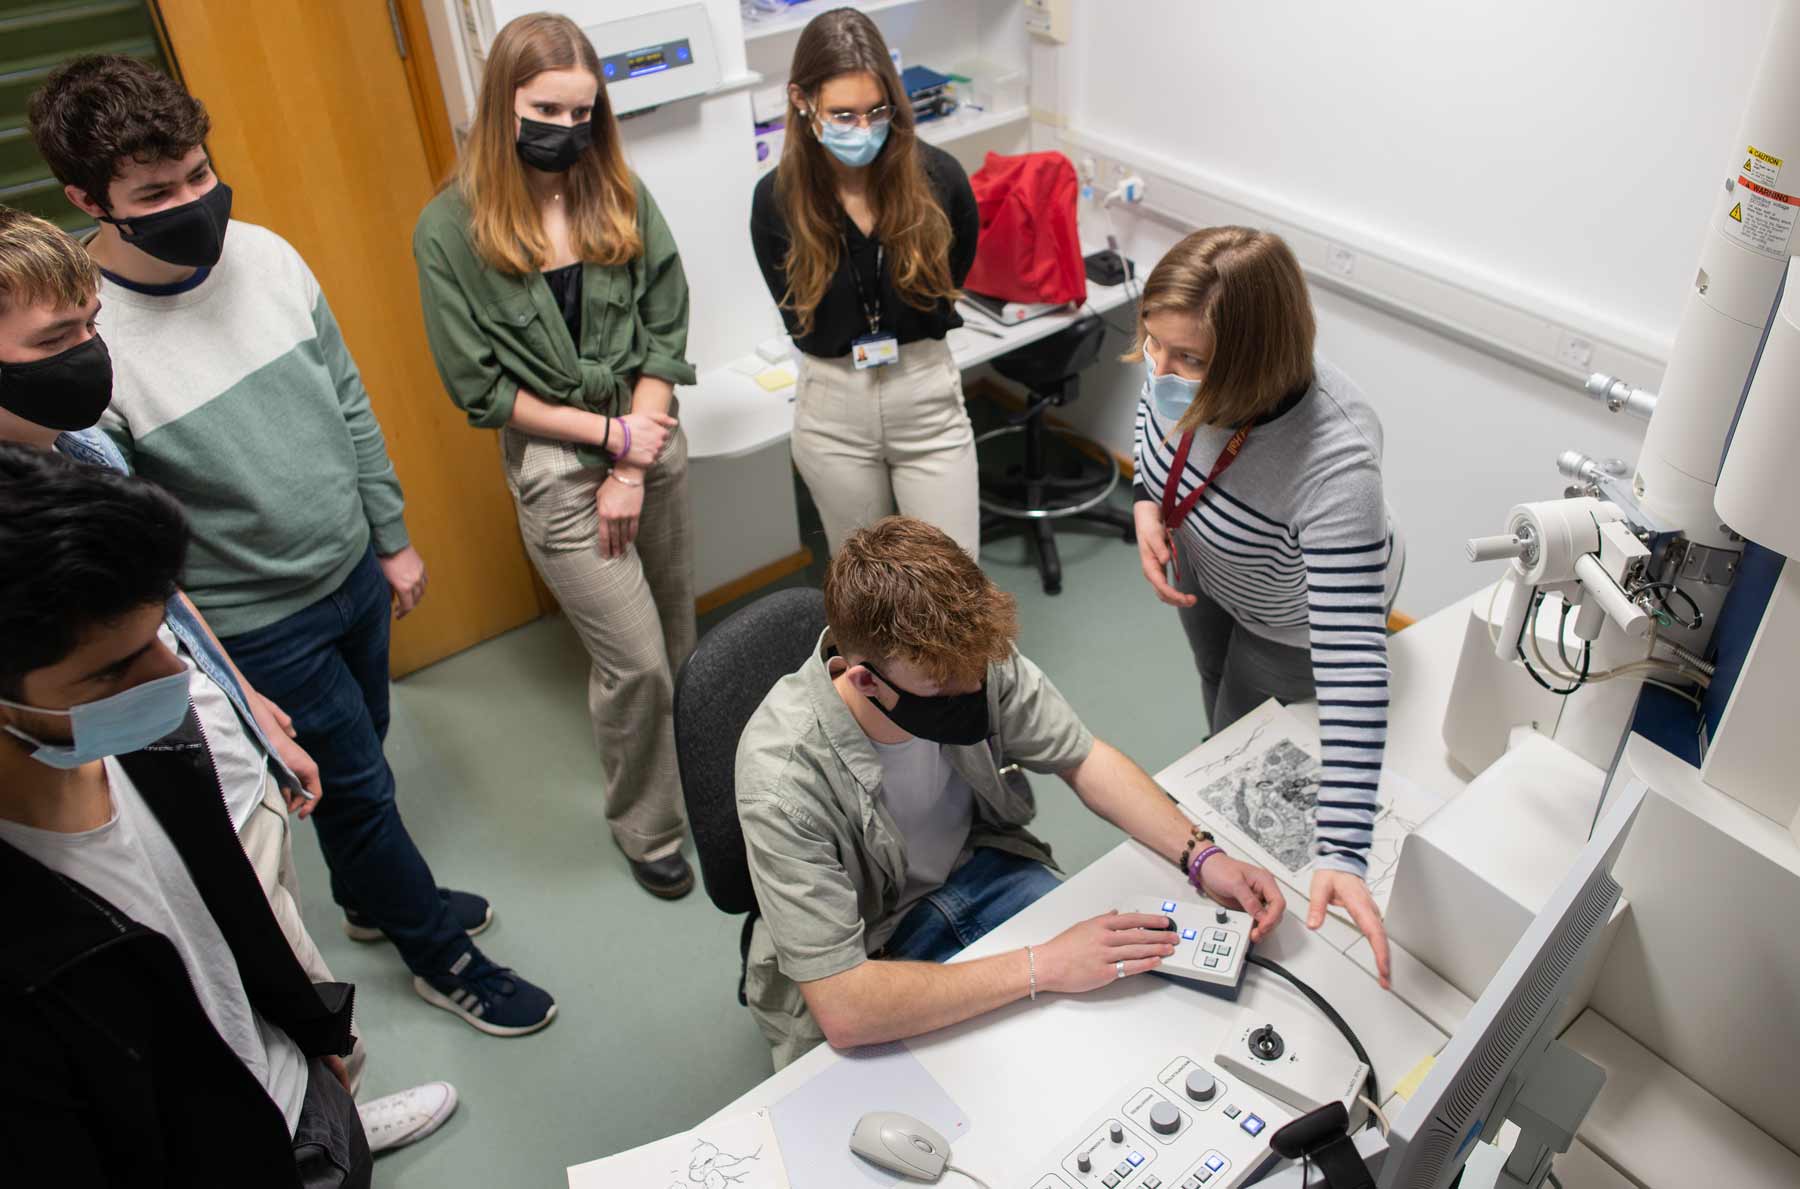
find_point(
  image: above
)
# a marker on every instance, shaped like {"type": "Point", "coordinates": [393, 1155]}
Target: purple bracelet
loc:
{"type": "Point", "coordinates": [1199, 862]}
{"type": "Point", "coordinates": [625, 428]}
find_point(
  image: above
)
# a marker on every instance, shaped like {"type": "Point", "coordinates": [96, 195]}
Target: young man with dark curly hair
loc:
{"type": "Point", "coordinates": [236, 393]}
{"type": "Point", "coordinates": [885, 820]}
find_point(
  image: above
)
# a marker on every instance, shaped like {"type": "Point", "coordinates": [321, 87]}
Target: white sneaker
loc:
{"type": "Point", "coordinates": [407, 1117]}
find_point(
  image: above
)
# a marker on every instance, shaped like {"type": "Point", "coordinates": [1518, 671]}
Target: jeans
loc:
{"type": "Point", "coordinates": [981, 895]}
{"type": "Point", "coordinates": [327, 666]}
{"type": "Point", "coordinates": [330, 1149]}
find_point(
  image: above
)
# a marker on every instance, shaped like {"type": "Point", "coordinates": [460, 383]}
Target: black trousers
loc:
{"type": "Point", "coordinates": [330, 1149]}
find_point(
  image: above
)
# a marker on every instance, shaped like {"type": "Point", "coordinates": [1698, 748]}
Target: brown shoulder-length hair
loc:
{"type": "Point", "coordinates": [602, 199]}
{"type": "Point", "coordinates": [1245, 285]}
{"type": "Point", "coordinates": [910, 224]}
{"type": "Point", "coordinates": [901, 589]}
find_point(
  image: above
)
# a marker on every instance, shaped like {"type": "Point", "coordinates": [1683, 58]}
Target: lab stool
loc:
{"type": "Point", "coordinates": [1029, 496]}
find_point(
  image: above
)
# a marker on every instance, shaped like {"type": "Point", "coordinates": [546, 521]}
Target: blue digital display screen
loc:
{"type": "Point", "coordinates": [653, 59]}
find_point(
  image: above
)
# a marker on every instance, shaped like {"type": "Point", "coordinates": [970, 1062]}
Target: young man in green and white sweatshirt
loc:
{"type": "Point", "coordinates": [235, 392]}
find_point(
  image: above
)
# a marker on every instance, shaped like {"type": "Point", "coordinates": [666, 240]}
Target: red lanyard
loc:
{"type": "Point", "coordinates": [1174, 513]}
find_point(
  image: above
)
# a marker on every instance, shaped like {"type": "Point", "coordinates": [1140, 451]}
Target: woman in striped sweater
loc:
{"type": "Point", "coordinates": [1273, 540]}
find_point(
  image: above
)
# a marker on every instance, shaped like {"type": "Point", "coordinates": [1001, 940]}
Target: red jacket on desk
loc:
{"type": "Point", "coordinates": [1030, 249]}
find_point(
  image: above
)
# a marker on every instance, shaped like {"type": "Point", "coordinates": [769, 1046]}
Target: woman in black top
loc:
{"type": "Point", "coordinates": [865, 234]}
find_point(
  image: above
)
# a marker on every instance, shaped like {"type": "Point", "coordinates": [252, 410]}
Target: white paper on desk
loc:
{"type": "Point", "coordinates": [1255, 785]}
{"type": "Point", "coordinates": [734, 1153]}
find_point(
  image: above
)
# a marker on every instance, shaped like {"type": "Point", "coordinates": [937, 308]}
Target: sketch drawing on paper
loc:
{"type": "Point", "coordinates": [1271, 798]}
{"type": "Point", "coordinates": [710, 1168]}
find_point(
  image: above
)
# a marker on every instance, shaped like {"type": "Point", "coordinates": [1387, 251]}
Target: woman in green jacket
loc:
{"type": "Point", "coordinates": [557, 310]}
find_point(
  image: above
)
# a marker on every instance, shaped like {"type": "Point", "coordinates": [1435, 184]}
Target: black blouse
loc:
{"type": "Point", "coordinates": [840, 321]}
{"type": "Point", "coordinates": [565, 286]}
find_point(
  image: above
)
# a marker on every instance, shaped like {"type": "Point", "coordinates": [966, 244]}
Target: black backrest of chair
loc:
{"type": "Point", "coordinates": [1043, 366]}
{"type": "Point", "coordinates": [724, 681]}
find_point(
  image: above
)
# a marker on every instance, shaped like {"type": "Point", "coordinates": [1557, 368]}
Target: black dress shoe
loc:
{"type": "Point", "coordinates": [669, 878]}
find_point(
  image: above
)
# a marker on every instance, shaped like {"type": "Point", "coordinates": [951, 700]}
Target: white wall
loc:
{"type": "Point", "coordinates": [1559, 155]}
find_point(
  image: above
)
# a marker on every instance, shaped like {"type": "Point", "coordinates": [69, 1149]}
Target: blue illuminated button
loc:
{"type": "Point", "coordinates": [1189, 934]}
{"type": "Point", "coordinates": [611, 68]}
{"type": "Point", "coordinates": [1252, 1124]}
{"type": "Point", "coordinates": [1135, 1159]}
{"type": "Point", "coordinates": [1168, 906]}
{"type": "Point", "coordinates": [1215, 1162]}
{"type": "Point", "coordinates": [682, 53]}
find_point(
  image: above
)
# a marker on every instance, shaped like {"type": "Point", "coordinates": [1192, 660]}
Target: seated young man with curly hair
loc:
{"type": "Point", "coordinates": [885, 820]}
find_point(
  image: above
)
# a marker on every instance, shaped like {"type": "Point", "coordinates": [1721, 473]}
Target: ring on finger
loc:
{"type": "Point", "coordinates": [1119, 969]}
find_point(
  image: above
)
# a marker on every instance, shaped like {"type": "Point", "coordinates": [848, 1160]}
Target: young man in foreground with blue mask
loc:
{"type": "Point", "coordinates": [884, 818]}
{"type": "Point", "coordinates": [160, 1029]}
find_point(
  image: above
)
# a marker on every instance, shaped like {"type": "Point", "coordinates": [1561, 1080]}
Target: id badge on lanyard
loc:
{"type": "Point", "coordinates": [877, 348]}
{"type": "Point", "coordinates": [1173, 511]}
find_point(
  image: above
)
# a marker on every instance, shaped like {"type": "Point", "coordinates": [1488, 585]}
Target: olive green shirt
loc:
{"type": "Point", "coordinates": [827, 861]}
{"type": "Point", "coordinates": [493, 333]}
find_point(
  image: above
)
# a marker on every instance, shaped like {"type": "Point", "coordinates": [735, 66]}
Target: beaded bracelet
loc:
{"type": "Point", "coordinates": [1031, 961]}
{"type": "Point", "coordinates": [1194, 840]}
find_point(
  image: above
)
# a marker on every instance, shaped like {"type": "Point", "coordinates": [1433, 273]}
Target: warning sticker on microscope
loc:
{"type": "Point", "coordinates": [1760, 167]}
{"type": "Point", "coordinates": [1760, 218]}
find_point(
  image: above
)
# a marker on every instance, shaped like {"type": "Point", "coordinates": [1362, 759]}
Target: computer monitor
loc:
{"type": "Point", "coordinates": [1486, 1073]}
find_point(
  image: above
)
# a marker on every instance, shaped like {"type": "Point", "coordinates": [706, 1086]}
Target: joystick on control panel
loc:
{"type": "Point", "coordinates": [1211, 942]}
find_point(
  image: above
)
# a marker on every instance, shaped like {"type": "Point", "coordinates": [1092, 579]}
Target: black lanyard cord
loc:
{"type": "Point", "coordinates": [871, 303]}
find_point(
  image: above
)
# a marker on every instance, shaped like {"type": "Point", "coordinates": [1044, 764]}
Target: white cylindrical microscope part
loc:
{"type": "Point", "coordinates": [1589, 619]}
{"type": "Point", "coordinates": [1559, 532]}
{"type": "Point", "coordinates": [1504, 547]}
{"type": "Point", "coordinates": [1756, 494]}
{"type": "Point", "coordinates": [1518, 602]}
{"type": "Point", "coordinates": [1621, 397]}
{"type": "Point", "coordinates": [1597, 584]}
{"type": "Point", "coordinates": [1721, 325]}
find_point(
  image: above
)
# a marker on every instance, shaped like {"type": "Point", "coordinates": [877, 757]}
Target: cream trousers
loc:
{"type": "Point", "coordinates": [897, 438]}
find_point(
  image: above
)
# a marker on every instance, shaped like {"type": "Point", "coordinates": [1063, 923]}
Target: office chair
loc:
{"type": "Point", "coordinates": [1031, 496]}
{"type": "Point", "coordinates": [719, 688]}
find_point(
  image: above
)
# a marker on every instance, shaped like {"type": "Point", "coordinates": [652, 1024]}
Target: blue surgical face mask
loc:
{"type": "Point", "coordinates": [855, 147]}
{"type": "Point", "coordinates": [1172, 394]}
{"type": "Point", "coordinates": [115, 726]}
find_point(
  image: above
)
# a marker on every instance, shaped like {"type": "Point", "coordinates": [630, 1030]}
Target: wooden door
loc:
{"type": "Point", "coordinates": [315, 128]}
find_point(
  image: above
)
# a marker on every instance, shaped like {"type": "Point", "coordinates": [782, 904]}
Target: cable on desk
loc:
{"type": "Point", "coordinates": [1331, 1013]}
{"type": "Point", "coordinates": [984, 1185]}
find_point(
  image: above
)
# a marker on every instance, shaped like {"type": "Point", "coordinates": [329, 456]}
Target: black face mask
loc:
{"type": "Point", "coordinates": [553, 148]}
{"type": "Point", "coordinates": [191, 235]}
{"type": "Point", "coordinates": [67, 391]}
{"type": "Point", "coordinates": [960, 719]}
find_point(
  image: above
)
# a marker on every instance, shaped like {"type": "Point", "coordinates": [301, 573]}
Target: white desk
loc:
{"type": "Point", "coordinates": [1030, 1073]}
{"type": "Point", "coordinates": [737, 435]}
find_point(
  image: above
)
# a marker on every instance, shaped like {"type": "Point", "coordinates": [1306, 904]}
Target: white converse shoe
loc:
{"type": "Point", "coordinates": [407, 1117]}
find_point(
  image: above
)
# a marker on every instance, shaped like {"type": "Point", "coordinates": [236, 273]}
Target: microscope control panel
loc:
{"type": "Point", "coordinates": [1184, 1126]}
{"type": "Point", "coordinates": [1211, 942]}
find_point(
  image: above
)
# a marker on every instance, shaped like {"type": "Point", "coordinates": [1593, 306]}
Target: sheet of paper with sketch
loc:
{"type": "Point", "coordinates": [1256, 786]}
{"type": "Point", "coordinates": [734, 1153]}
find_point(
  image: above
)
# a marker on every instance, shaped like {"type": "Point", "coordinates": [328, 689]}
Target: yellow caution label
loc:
{"type": "Point", "coordinates": [1737, 213]}
{"type": "Point", "coordinates": [1761, 168]}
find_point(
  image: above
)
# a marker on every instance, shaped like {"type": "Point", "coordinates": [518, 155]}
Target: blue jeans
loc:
{"type": "Point", "coordinates": [327, 666]}
{"type": "Point", "coordinates": [981, 895]}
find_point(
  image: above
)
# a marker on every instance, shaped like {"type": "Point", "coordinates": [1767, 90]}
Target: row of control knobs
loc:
{"type": "Point", "coordinates": [1164, 1119]}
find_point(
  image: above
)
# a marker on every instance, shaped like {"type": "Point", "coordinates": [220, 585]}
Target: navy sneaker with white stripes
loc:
{"type": "Point", "coordinates": [472, 912]}
{"type": "Point", "coordinates": [489, 997]}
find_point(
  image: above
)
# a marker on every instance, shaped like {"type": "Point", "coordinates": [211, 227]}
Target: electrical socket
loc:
{"type": "Point", "coordinates": [1089, 170]}
{"type": "Point", "coordinates": [1341, 260]}
{"type": "Point", "coordinates": [1574, 350]}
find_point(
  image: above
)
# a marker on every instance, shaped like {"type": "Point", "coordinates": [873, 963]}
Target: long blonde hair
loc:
{"type": "Point", "coordinates": [602, 199]}
{"type": "Point", "coordinates": [1247, 286]}
{"type": "Point", "coordinates": [912, 227]}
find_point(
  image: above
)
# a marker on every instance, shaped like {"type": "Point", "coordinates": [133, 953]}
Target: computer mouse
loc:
{"type": "Point", "coordinates": [902, 1144]}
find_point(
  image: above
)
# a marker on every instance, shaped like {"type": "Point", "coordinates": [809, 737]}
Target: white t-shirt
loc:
{"type": "Point", "coordinates": [131, 863]}
{"type": "Point", "coordinates": [932, 807]}
{"type": "Point", "coordinates": [242, 765]}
